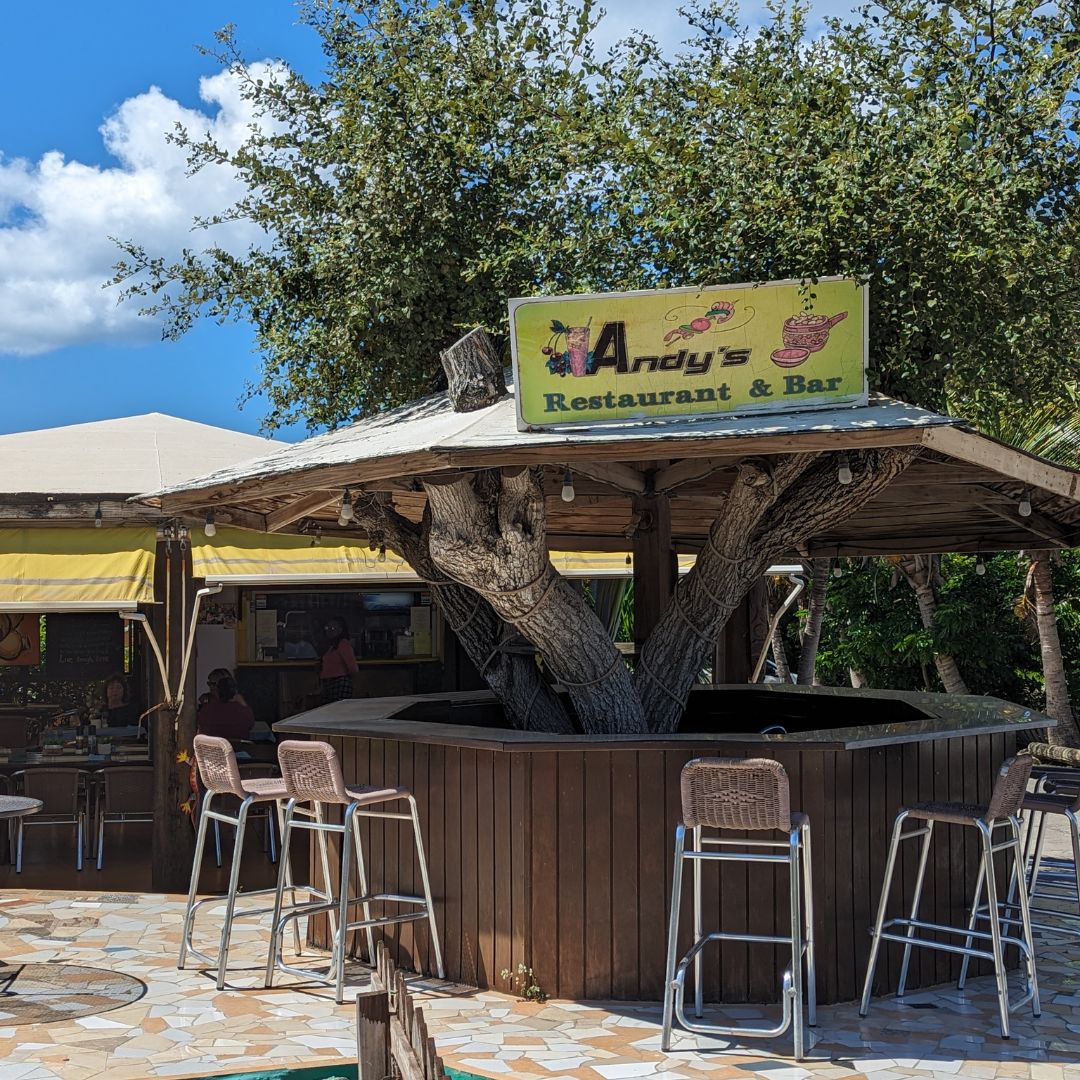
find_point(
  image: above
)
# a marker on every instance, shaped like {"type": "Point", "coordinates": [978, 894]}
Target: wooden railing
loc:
{"type": "Point", "coordinates": [391, 1033]}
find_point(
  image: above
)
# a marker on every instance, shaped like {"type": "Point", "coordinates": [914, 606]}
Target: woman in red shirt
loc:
{"type": "Point", "coordinates": [338, 662]}
{"type": "Point", "coordinates": [225, 714]}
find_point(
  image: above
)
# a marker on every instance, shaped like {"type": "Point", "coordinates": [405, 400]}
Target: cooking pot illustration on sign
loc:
{"type": "Point", "coordinates": [810, 332]}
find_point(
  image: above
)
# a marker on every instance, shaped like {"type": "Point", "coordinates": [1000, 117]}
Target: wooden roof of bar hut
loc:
{"type": "Point", "coordinates": [961, 494]}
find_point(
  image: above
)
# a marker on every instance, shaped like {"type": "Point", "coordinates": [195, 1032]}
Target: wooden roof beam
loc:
{"type": "Point", "coordinates": [1009, 462]}
{"type": "Point", "coordinates": [303, 507]}
{"type": "Point", "coordinates": [1036, 523]}
{"type": "Point", "coordinates": [622, 477]}
{"type": "Point", "coordinates": [687, 471]}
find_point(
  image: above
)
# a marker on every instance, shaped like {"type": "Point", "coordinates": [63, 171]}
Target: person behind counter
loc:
{"type": "Point", "coordinates": [119, 710]}
{"type": "Point", "coordinates": [225, 713]}
{"type": "Point", "coordinates": [338, 662]}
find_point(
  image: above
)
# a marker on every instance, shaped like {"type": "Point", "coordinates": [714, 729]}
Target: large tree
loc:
{"type": "Point", "coordinates": [462, 151]}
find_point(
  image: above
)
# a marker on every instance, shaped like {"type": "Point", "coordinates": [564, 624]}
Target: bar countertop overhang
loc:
{"type": "Point", "coordinates": [926, 717]}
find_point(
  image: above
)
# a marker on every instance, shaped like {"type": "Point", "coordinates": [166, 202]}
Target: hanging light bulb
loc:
{"type": "Point", "coordinates": [568, 487]}
{"type": "Point", "coordinates": [837, 571]}
{"type": "Point", "coordinates": [382, 553]}
{"type": "Point", "coordinates": [1024, 509]}
{"type": "Point", "coordinates": [209, 526]}
{"type": "Point", "coordinates": [980, 566]}
{"type": "Point", "coordinates": [843, 470]}
{"type": "Point", "coordinates": [629, 560]}
{"type": "Point", "coordinates": [98, 519]}
{"type": "Point", "coordinates": [347, 513]}
{"type": "Point", "coordinates": [316, 540]}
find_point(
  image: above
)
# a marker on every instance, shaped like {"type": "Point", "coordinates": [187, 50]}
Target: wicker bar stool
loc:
{"type": "Point", "coordinates": [221, 778]}
{"type": "Point", "coordinates": [746, 795]}
{"type": "Point", "coordinates": [1001, 814]}
{"type": "Point", "coordinates": [312, 773]}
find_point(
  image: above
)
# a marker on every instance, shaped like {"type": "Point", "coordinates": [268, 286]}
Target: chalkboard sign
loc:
{"type": "Point", "coordinates": [83, 646]}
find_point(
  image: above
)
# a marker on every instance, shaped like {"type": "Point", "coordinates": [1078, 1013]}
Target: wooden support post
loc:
{"type": "Point", "coordinates": [655, 566]}
{"type": "Point", "coordinates": [373, 1034]}
{"type": "Point", "coordinates": [173, 843]}
{"type": "Point", "coordinates": [743, 638]}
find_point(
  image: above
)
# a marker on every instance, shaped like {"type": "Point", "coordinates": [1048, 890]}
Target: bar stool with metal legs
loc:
{"type": "Point", "coordinates": [746, 795]}
{"type": "Point", "coordinates": [1000, 814]}
{"type": "Point", "coordinates": [312, 773]}
{"type": "Point", "coordinates": [220, 776]}
{"type": "Point", "coordinates": [1057, 793]}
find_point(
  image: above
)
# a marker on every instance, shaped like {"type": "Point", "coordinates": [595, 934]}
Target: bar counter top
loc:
{"type": "Point", "coordinates": [432, 719]}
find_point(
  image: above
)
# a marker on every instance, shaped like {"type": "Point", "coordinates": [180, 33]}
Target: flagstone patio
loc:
{"type": "Point", "coordinates": [89, 987]}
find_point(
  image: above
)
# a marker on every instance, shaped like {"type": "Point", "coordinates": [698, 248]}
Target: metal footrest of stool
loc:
{"type": "Point", "coordinates": [245, 913]}
{"type": "Point", "coordinates": [745, 1030]}
{"type": "Point", "coordinates": [967, 951]}
{"type": "Point", "coordinates": [329, 904]}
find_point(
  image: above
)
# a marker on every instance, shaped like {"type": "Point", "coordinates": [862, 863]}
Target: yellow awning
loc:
{"type": "Point", "coordinates": [239, 557]}
{"type": "Point", "coordinates": [235, 556]}
{"type": "Point", "coordinates": [59, 569]}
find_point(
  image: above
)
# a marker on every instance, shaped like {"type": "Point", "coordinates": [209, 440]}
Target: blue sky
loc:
{"type": "Point", "coordinates": [82, 157]}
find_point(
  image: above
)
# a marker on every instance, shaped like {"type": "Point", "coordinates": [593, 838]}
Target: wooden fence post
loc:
{"type": "Point", "coordinates": [373, 1034]}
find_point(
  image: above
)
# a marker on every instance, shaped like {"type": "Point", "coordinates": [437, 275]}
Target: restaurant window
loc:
{"type": "Point", "coordinates": [283, 626]}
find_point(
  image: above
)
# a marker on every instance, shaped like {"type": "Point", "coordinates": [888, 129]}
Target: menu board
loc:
{"type": "Point", "coordinates": [89, 646]}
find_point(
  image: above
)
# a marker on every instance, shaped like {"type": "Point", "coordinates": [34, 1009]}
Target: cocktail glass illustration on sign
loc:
{"type": "Point", "coordinates": [577, 345]}
{"type": "Point", "coordinates": [718, 313]}
{"type": "Point", "coordinates": [810, 332]}
{"type": "Point", "coordinates": [571, 355]}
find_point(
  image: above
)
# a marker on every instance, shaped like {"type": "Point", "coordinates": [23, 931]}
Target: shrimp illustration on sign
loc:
{"type": "Point", "coordinates": [568, 350]}
{"type": "Point", "coordinates": [719, 313]}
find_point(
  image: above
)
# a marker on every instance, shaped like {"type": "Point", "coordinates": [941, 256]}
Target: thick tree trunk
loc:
{"type": "Point", "coordinates": [815, 612]}
{"type": "Point", "coordinates": [1058, 705]}
{"type": "Point", "coordinates": [770, 511]}
{"type": "Point", "coordinates": [920, 571]}
{"type": "Point", "coordinates": [487, 532]}
{"type": "Point", "coordinates": [516, 680]}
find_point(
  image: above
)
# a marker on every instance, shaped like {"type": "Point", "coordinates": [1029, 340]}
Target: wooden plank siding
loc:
{"type": "Point", "coordinates": [562, 860]}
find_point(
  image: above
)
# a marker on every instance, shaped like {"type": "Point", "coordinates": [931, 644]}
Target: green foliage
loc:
{"type": "Point", "coordinates": [459, 152]}
{"type": "Point", "coordinates": [872, 625]}
{"type": "Point", "coordinates": [524, 984]}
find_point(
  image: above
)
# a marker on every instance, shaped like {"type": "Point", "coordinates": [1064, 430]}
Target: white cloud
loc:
{"type": "Point", "coordinates": [56, 217]}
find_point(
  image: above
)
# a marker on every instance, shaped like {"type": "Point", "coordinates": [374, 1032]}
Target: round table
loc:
{"type": "Point", "coordinates": [15, 806]}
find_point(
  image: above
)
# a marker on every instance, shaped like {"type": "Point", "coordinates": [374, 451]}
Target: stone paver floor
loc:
{"type": "Point", "coordinates": [96, 993]}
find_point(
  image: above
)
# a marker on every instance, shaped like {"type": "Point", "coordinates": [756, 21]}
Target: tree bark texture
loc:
{"type": "Point", "coordinates": [815, 613]}
{"type": "Point", "coordinates": [921, 572]}
{"type": "Point", "coordinates": [474, 373]}
{"type": "Point", "coordinates": [1058, 705]}
{"type": "Point", "coordinates": [771, 510]}
{"type": "Point", "coordinates": [516, 680]}
{"type": "Point", "coordinates": [488, 532]}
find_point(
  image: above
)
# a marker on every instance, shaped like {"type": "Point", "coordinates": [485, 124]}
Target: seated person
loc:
{"type": "Point", "coordinates": [225, 714]}
{"type": "Point", "coordinates": [212, 680]}
{"type": "Point", "coordinates": [119, 710]}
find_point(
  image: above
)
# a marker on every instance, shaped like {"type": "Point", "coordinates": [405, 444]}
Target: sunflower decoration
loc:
{"type": "Point", "coordinates": [183, 757]}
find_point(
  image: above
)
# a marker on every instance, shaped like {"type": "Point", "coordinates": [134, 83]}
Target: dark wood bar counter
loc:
{"type": "Point", "coordinates": [555, 851]}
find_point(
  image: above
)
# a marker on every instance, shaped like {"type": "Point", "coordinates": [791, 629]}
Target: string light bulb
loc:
{"type": "Point", "coordinates": [382, 553]}
{"type": "Point", "coordinates": [98, 519]}
{"type": "Point", "coordinates": [980, 566]}
{"type": "Point", "coordinates": [209, 526]}
{"type": "Point", "coordinates": [843, 470]}
{"type": "Point", "coordinates": [316, 540]}
{"type": "Point", "coordinates": [1024, 509]}
{"type": "Point", "coordinates": [568, 492]}
{"type": "Point", "coordinates": [347, 513]}
{"type": "Point", "coordinates": [837, 571]}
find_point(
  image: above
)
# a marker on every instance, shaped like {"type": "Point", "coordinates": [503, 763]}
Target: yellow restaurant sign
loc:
{"type": "Point", "coordinates": [729, 349]}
